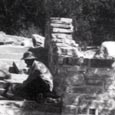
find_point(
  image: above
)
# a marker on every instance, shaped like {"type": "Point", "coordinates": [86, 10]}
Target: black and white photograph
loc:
{"type": "Point", "coordinates": [57, 57]}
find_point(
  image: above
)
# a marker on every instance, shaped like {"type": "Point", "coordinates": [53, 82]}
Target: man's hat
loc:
{"type": "Point", "coordinates": [28, 55]}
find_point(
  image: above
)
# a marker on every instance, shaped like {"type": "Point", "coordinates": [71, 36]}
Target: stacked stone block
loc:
{"type": "Point", "coordinates": [86, 87]}
{"type": "Point", "coordinates": [63, 54]}
{"type": "Point", "coordinates": [59, 41]}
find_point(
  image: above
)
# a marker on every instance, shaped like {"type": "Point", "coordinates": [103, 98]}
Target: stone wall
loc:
{"type": "Point", "coordinates": [87, 86]}
{"type": "Point", "coordinates": [16, 107]}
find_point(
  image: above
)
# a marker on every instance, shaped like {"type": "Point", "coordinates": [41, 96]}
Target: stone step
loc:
{"type": "Point", "coordinates": [13, 49]}
{"type": "Point", "coordinates": [98, 63]}
{"type": "Point", "coordinates": [8, 107]}
{"type": "Point", "coordinates": [61, 36]}
{"type": "Point", "coordinates": [11, 56]}
{"type": "Point", "coordinates": [61, 30]}
{"type": "Point", "coordinates": [17, 78]}
{"type": "Point", "coordinates": [61, 20]}
{"type": "Point", "coordinates": [61, 26]}
{"type": "Point", "coordinates": [5, 64]}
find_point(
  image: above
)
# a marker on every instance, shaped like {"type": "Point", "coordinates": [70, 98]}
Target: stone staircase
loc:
{"type": "Point", "coordinates": [9, 55]}
{"type": "Point", "coordinates": [28, 108]}
{"type": "Point", "coordinates": [86, 85]}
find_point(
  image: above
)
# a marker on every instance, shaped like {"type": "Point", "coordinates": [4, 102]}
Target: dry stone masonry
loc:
{"type": "Point", "coordinates": [87, 86]}
{"type": "Point", "coordinates": [60, 42]}
{"type": "Point", "coordinates": [13, 69]}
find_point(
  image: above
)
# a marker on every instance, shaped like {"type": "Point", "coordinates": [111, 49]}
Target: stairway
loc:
{"type": "Point", "coordinates": [28, 108]}
{"type": "Point", "coordinates": [8, 55]}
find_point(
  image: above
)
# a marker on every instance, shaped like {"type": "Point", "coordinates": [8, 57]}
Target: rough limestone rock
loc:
{"type": "Point", "coordinates": [86, 85]}
{"type": "Point", "coordinates": [60, 30]}
{"type": "Point", "coordinates": [109, 46]}
{"type": "Point", "coordinates": [106, 50]}
{"type": "Point", "coordinates": [61, 36]}
{"type": "Point", "coordinates": [27, 43]}
{"type": "Point", "coordinates": [38, 40]}
{"type": "Point", "coordinates": [61, 26]}
{"type": "Point", "coordinates": [8, 107]}
{"type": "Point", "coordinates": [59, 20]}
{"type": "Point", "coordinates": [14, 40]}
{"type": "Point", "coordinates": [10, 54]}
{"type": "Point", "coordinates": [17, 78]}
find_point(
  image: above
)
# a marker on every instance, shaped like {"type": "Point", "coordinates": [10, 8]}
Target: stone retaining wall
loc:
{"type": "Point", "coordinates": [86, 86]}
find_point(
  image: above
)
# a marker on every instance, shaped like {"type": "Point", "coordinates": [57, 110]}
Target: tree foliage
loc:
{"type": "Point", "coordinates": [21, 16]}
{"type": "Point", "coordinates": [94, 19]}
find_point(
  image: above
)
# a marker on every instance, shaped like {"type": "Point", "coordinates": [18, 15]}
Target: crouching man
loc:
{"type": "Point", "coordinates": [39, 82]}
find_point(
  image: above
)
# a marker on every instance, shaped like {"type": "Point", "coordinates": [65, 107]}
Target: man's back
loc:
{"type": "Point", "coordinates": [38, 69]}
{"type": "Point", "coordinates": [40, 81]}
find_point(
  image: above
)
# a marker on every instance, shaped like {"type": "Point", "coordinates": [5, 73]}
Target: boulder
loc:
{"type": "Point", "coordinates": [109, 46]}
{"type": "Point", "coordinates": [6, 39]}
{"type": "Point", "coordinates": [59, 20]}
{"type": "Point", "coordinates": [106, 51]}
{"type": "Point", "coordinates": [61, 36]}
{"type": "Point", "coordinates": [38, 40]}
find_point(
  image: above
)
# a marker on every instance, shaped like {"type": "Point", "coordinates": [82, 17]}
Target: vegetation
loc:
{"type": "Point", "coordinates": [94, 19]}
{"type": "Point", "coordinates": [22, 16]}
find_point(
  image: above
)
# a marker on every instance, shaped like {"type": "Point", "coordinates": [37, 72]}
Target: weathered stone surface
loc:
{"type": "Point", "coordinates": [94, 82]}
{"type": "Point", "coordinates": [6, 64]}
{"type": "Point", "coordinates": [68, 42]}
{"type": "Point", "coordinates": [99, 63]}
{"type": "Point", "coordinates": [106, 51]}
{"type": "Point", "coordinates": [69, 110]}
{"type": "Point", "coordinates": [101, 73]}
{"type": "Point", "coordinates": [11, 56]}
{"type": "Point", "coordinates": [110, 46]}
{"type": "Point", "coordinates": [66, 50]}
{"type": "Point", "coordinates": [61, 36]}
{"type": "Point", "coordinates": [69, 61]}
{"type": "Point", "coordinates": [75, 79]}
{"type": "Point", "coordinates": [17, 78]}
{"type": "Point", "coordinates": [14, 54]}
{"type": "Point", "coordinates": [89, 54]}
{"type": "Point", "coordinates": [85, 89]}
{"type": "Point", "coordinates": [38, 40]}
{"type": "Point", "coordinates": [71, 99]}
{"type": "Point", "coordinates": [61, 26]}
{"type": "Point", "coordinates": [60, 30]}
{"type": "Point", "coordinates": [86, 85]}
{"type": "Point", "coordinates": [71, 68]}
{"type": "Point", "coordinates": [19, 67]}
{"type": "Point", "coordinates": [27, 43]}
{"type": "Point", "coordinates": [13, 49]}
{"type": "Point", "coordinates": [12, 40]}
{"type": "Point", "coordinates": [27, 108]}
{"type": "Point", "coordinates": [61, 20]}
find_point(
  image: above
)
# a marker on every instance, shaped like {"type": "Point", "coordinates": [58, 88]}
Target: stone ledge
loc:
{"type": "Point", "coordinates": [13, 49]}
{"type": "Point", "coordinates": [85, 89]}
{"type": "Point", "coordinates": [28, 108]}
